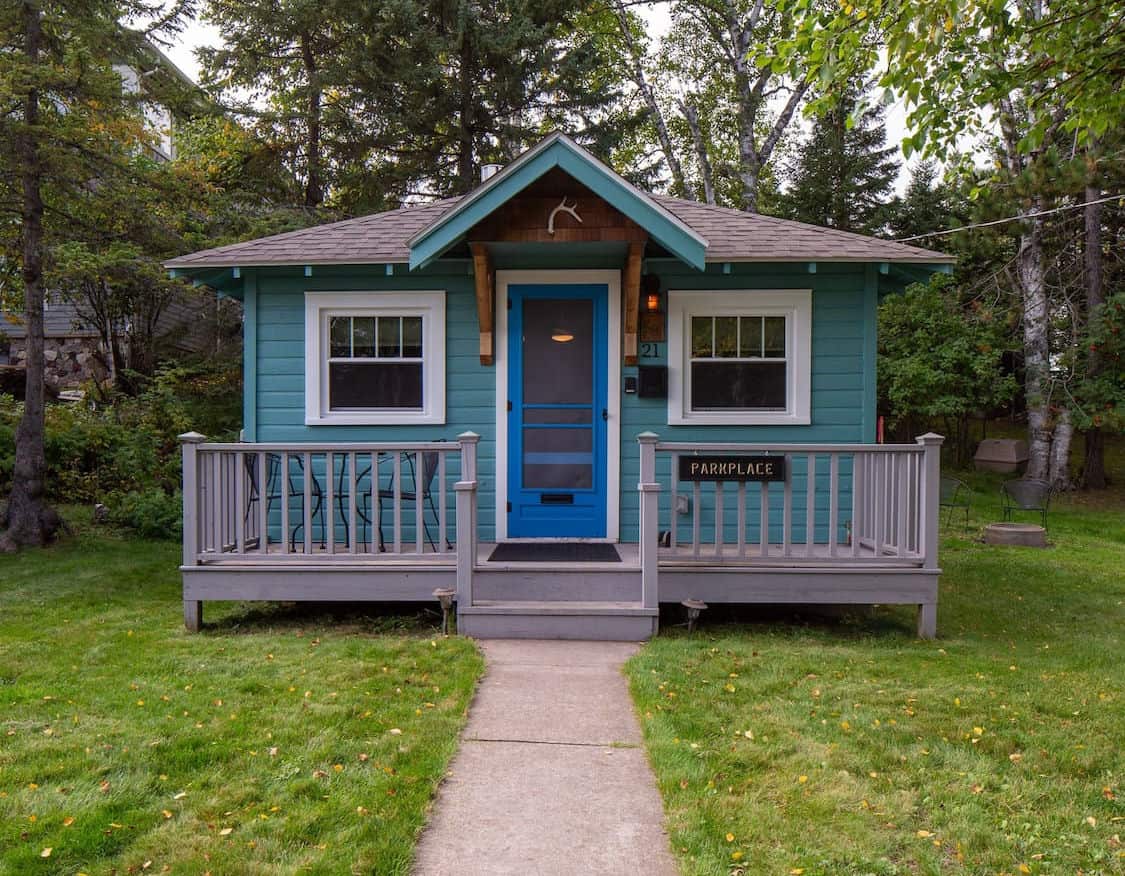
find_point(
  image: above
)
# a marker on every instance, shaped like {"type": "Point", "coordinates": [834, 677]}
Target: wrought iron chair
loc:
{"type": "Point", "coordinates": [1026, 494]}
{"type": "Point", "coordinates": [430, 460]}
{"type": "Point", "coordinates": [954, 496]}
{"type": "Point", "coordinates": [272, 494]}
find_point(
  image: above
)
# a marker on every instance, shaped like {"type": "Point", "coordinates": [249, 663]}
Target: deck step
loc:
{"type": "Point", "coordinates": [605, 621]}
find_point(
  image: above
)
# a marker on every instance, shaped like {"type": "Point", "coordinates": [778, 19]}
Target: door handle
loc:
{"type": "Point", "coordinates": [605, 414]}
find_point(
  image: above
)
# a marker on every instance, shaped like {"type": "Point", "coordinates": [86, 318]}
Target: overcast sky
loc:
{"type": "Point", "coordinates": [199, 33]}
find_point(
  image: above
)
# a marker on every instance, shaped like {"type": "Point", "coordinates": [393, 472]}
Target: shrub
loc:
{"type": "Point", "coordinates": [151, 513]}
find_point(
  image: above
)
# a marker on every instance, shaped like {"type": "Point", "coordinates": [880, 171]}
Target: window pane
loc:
{"type": "Point", "coordinates": [775, 336]}
{"type": "Point", "coordinates": [723, 386]}
{"type": "Point", "coordinates": [701, 337]}
{"type": "Point", "coordinates": [726, 337]}
{"type": "Point", "coordinates": [340, 331]}
{"type": "Point", "coordinates": [389, 337]}
{"type": "Point", "coordinates": [751, 337]}
{"type": "Point", "coordinates": [374, 385]}
{"type": "Point", "coordinates": [412, 337]}
{"type": "Point", "coordinates": [363, 336]}
{"type": "Point", "coordinates": [556, 459]}
{"type": "Point", "coordinates": [556, 370]}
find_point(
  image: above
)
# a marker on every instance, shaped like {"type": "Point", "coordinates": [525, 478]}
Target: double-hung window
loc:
{"type": "Point", "coordinates": [739, 357]}
{"type": "Point", "coordinates": [375, 358]}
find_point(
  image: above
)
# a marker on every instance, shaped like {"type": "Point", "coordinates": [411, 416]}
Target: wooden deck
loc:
{"type": "Point", "coordinates": [887, 496]}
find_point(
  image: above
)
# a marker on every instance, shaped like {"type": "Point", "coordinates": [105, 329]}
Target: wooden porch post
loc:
{"type": "Point", "coordinates": [649, 491]}
{"type": "Point", "coordinates": [631, 284]}
{"type": "Point", "coordinates": [483, 275]}
{"type": "Point", "coordinates": [929, 511]}
{"type": "Point", "coordinates": [466, 492]}
{"type": "Point", "coordinates": [190, 441]}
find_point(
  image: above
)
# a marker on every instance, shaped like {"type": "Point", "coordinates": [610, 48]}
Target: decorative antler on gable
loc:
{"type": "Point", "coordinates": [562, 208]}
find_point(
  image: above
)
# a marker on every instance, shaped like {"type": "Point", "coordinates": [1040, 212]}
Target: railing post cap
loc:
{"type": "Point", "coordinates": [648, 437]}
{"type": "Point", "coordinates": [192, 438]}
{"type": "Point", "coordinates": [930, 438]}
{"type": "Point", "coordinates": [469, 437]}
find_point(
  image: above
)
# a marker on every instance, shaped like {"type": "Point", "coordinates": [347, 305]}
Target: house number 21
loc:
{"type": "Point", "coordinates": [650, 351]}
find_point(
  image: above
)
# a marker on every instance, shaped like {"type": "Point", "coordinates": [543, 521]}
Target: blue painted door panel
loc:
{"type": "Point", "coordinates": [557, 342]}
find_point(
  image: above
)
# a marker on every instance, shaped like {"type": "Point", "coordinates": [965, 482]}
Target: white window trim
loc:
{"type": "Point", "coordinates": [319, 306]}
{"type": "Point", "coordinates": [794, 304]}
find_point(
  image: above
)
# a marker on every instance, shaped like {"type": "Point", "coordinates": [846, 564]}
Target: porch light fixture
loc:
{"type": "Point", "coordinates": [652, 302]}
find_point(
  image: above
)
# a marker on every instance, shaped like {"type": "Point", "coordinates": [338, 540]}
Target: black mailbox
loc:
{"type": "Point", "coordinates": [653, 381]}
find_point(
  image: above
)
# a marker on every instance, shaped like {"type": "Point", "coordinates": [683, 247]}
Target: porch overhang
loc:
{"type": "Point", "coordinates": [558, 151]}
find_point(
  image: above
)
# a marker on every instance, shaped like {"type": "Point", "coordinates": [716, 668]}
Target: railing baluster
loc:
{"type": "Point", "coordinates": [787, 509]}
{"type": "Point", "coordinates": [329, 512]}
{"type": "Point", "coordinates": [443, 539]}
{"type": "Point", "coordinates": [879, 505]}
{"type": "Point", "coordinates": [833, 502]}
{"type": "Point", "coordinates": [900, 516]}
{"type": "Point", "coordinates": [419, 508]}
{"type": "Point", "coordinates": [216, 503]}
{"type": "Point", "coordinates": [695, 514]}
{"type": "Point", "coordinates": [240, 475]}
{"type": "Point", "coordinates": [764, 522]}
{"type": "Point", "coordinates": [353, 531]}
{"type": "Point", "coordinates": [263, 507]}
{"type": "Point", "coordinates": [376, 505]}
{"type": "Point", "coordinates": [674, 477]}
{"type": "Point", "coordinates": [719, 523]}
{"type": "Point", "coordinates": [397, 501]}
{"type": "Point", "coordinates": [858, 461]}
{"type": "Point", "coordinates": [307, 477]}
{"type": "Point", "coordinates": [810, 504]}
{"type": "Point", "coordinates": [742, 518]}
{"type": "Point", "coordinates": [286, 542]}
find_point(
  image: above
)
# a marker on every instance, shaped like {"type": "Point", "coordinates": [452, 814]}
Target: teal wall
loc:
{"type": "Point", "coordinates": [843, 368]}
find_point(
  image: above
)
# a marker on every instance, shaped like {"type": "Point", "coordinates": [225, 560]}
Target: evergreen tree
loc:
{"type": "Point", "coordinates": [844, 172]}
{"type": "Point", "coordinates": [926, 206]}
{"type": "Point", "coordinates": [66, 132]}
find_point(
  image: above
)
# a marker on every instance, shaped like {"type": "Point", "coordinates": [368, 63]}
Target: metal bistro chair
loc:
{"type": "Point", "coordinates": [363, 507]}
{"type": "Point", "coordinates": [954, 496]}
{"type": "Point", "coordinates": [272, 494]}
{"type": "Point", "coordinates": [1026, 494]}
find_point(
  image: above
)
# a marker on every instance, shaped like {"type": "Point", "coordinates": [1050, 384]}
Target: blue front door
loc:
{"type": "Point", "coordinates": [557, 342]}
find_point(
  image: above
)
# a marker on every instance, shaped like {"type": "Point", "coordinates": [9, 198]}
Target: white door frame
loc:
{"type": "Point", "coordinates": [612, 279]}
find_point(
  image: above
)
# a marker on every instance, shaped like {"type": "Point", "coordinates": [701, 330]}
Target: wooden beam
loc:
{"type": "Point", "coordinates": [632, 293]}
{"type": "Point", "coordinates": [483, 275]}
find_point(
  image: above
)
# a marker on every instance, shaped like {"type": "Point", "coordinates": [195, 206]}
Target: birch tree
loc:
{"type": "Point", "coordinates": [1031, 76]}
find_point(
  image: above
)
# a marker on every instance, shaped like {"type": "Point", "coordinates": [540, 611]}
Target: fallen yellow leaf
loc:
{"type": "Point", "coordinates": [68, 821]}
{"type": "Point", "coordinates": [802, 779]}
{"type": "Point", "coordinates": [924, 834]}
{"type": "Point", "coordinates": [226, 831]}
{"type": "Point", "coordinates": [730, 837]}
{"type": "Point", "coordinates": [46, 853]}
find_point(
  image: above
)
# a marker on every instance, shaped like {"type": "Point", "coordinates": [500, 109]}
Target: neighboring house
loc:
{"type": "Point", "coordinates": [73, 350]}
{"type": "Point", "coordinates": [603, 399]}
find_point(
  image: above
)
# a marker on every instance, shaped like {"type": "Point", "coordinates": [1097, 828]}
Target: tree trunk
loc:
{"type": "Point", "coordinates": [749, 167]}
{"type": "Point", "coordinates": [314, 186]}
{"type": "Point", "coordinates": [465, 174]}
{"type": "Point", "coordinates": [691, 115]}
{"type": "Point", "coordinates": [1029, 269]}
{"type": "Point", "coordinates": [1093, 468]}
{"type": "Point", "coordinates": [1060, 451]}
{"type": "Point", "coordinates": [28, 519]}
{"type": "Point", "coordinates": [637, 72]}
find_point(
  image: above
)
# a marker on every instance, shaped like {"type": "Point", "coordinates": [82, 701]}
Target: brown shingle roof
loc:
{"type": "Point", "coordinates": [732, 236]}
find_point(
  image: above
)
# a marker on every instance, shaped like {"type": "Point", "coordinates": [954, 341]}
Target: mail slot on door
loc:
{"type": "Point", "coordinates": [556, 499]}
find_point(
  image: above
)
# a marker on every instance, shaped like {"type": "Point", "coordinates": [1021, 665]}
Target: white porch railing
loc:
{"type": "Point", "coordinates": [300, 501]}
{"type": "Point", "coordinates": [843, 505]}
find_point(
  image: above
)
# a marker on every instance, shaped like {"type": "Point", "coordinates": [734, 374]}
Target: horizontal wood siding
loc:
{"type": "Point", "coordinates": [470, 387]}
{"type": "Point", "coordinates": [842, 379]}
{"type": "Point", "coordinates": [843, 373]}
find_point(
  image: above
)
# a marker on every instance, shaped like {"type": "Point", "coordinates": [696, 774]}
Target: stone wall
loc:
{"type": "Point", "coordinates": [70, 361]}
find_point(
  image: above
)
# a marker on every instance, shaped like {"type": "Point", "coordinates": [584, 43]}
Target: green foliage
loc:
{"type": "Point", "coordinates": [150, 513]}
{"type": "Point", "coordinates": [938, 360]}
{"type": "Point", "coordinates": [126, 453]}
{"type": "Point", "coordinates": [1100, 396]}
{"type": "Point", "coordinates": [843, 172]}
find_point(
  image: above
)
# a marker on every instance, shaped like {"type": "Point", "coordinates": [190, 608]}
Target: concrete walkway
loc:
{"type": "Point", "coordinates": [551, 777]}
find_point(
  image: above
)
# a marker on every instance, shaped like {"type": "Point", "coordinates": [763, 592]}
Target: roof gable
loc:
{"type": "Point", "coordinates": [558, 151]}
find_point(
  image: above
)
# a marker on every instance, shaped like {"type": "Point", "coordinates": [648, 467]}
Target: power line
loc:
{"type": "Point", "coordinates": [1009, 219]}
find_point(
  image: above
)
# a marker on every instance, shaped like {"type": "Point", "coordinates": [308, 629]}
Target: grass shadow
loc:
{"type": "Point", "coordinates": [363, 618]}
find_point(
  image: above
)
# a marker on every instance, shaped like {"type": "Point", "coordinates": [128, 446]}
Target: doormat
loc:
{"type": "Point", "coordinates": [555, 552]}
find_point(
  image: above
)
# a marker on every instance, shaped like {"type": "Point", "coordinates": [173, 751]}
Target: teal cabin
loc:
{"type": "Point", "coordinates": [561, 402]}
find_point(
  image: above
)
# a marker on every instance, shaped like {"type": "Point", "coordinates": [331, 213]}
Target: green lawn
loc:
{"type": "Point", "coordinates": [822, 747]}
{"type": "Point", "coordinates": [271, 743]}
